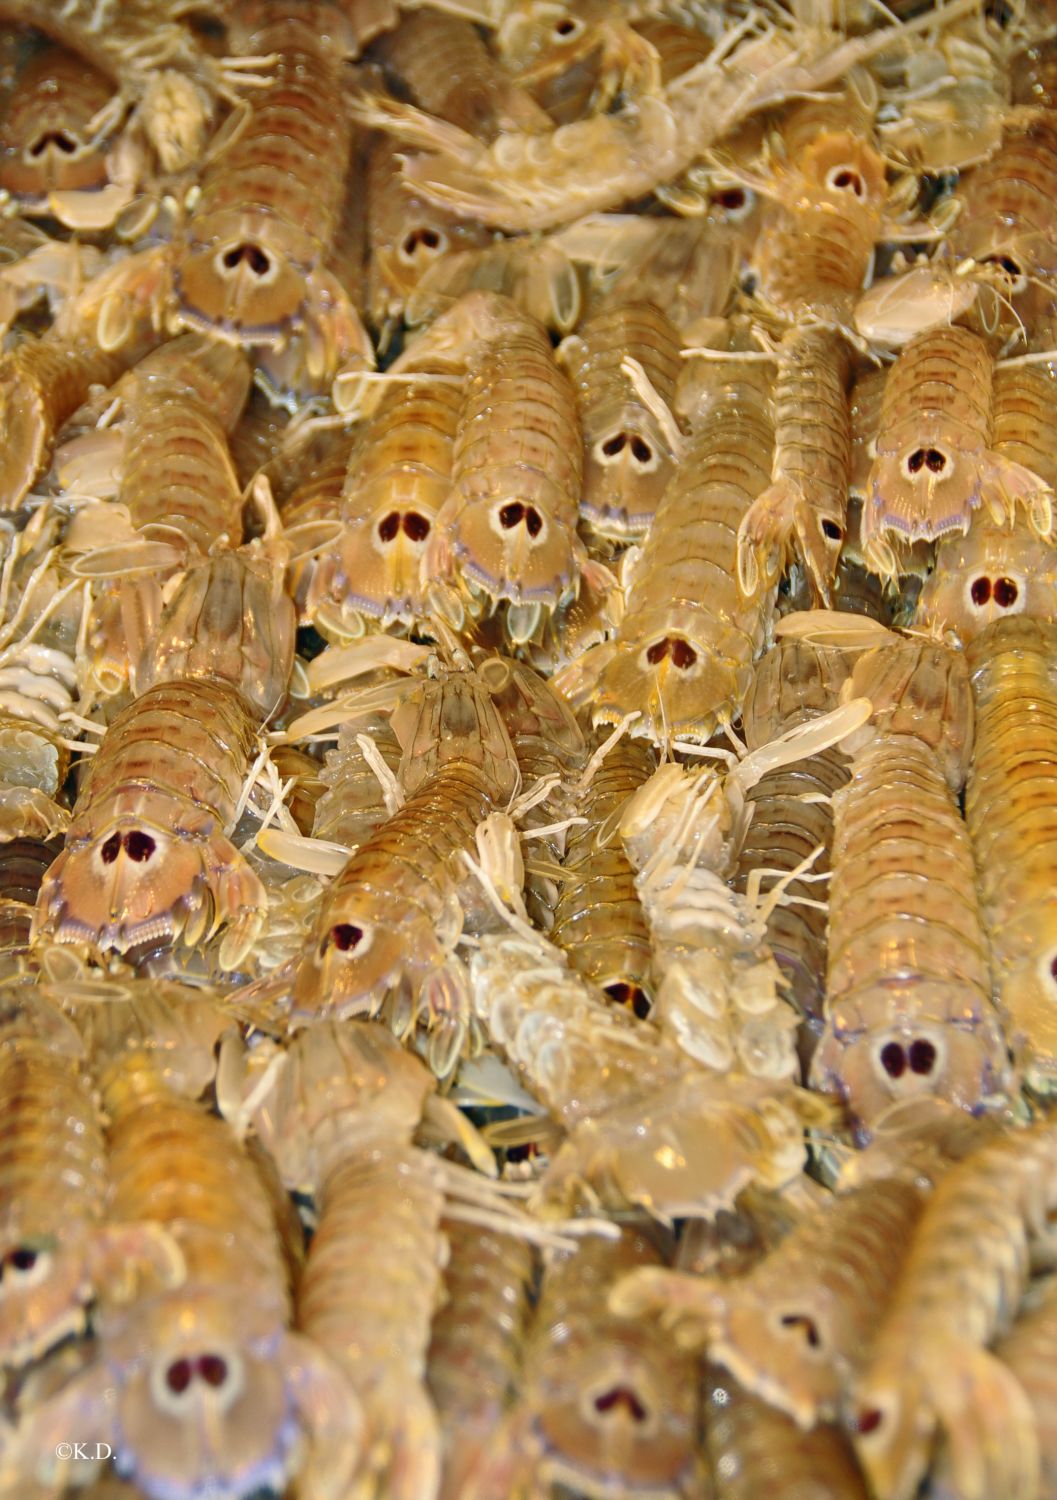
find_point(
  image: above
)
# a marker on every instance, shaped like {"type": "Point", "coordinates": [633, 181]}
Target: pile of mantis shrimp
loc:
{"type": "Point", "coordinates": [528, 749]}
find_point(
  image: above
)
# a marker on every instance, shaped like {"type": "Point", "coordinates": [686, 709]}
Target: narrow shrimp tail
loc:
{"type": "Point", "coordinates": [992, 1446]}
{"type": "Point", "coordinates": [687, 693]}
{"type": "Point", "coordinates": [765, 535]}
{"type": "Point", "coordinates": [1008, 484]}
{"type": "Point", "coordinates": [331, 1414]}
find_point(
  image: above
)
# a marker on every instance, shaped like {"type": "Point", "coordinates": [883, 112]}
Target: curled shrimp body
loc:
{"type": "Point", "coordinates": [628, 458]}
{"type": "Point", "coordinates": [935, 459]}
{"type": "Point", "coordinates": [200, 1385]}
{"type": "Point", "coordinates": [792, 810]}
{"type": "Point", "coordinates": [682, 657]}
{"type": "Point", "coordinates": [909, 1005]}
{"type": "Point", "coordinates": [147, 859]}
{"type": "Point", "coordinates": [522, 182]}
{"type": "Point", "coordinates": [606, 1407]}
{"type": "Point", "coordinates": [1010, 805]}
{"type": "Point", "coordinates": [599, 921]}
{"type": "Point", "coordinates": [637, 1108]}
{"type": "Point", "coordinates": [990, 1204]}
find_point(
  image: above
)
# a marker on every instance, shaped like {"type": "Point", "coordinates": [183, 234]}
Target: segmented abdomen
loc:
{"type": "Point", "coordinates": [1025, 426]}
{"type": "Point", "coordinates": [908, 987]}
{"type": "Point", "coordinates": [192, 740]}
{"type": "Point", "coordinates": [1011, 809]}
{"type": "Point", "coordinates": [518, 429]}
{"type": "Point", "coordinates": [373, 1277]}
{"type": "Point", "coordinates": [599, 921]}
{"type": "Point", "coordinates": [290, 158]}
{"type": "Point", "coordinates": [178, 472]}
{"type": "Point", "coordinates": [44, 140]}
{"type": "Point", "coordinates": [627, 457]}
{"type": "Point", "coordinates": [689, 638]}
{"type": "Point", "coordinates": [757, 1450]}
{"type": "Point", "coordinates": [476, 1338]}
{"type": "Point", "coordinates": [792, 817]}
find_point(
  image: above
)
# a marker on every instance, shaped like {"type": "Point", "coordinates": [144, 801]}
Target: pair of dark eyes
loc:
{"type": "Point", "coordinates": [208, 1367]}
{"type": "Point", "coordinates": [681, 652]}
{"type": "Point", "coordinates": [919, 1057]}
{"type": "Point", "coordinates": [138, 846]}
{"type": "Point", "coordinates": [1003, 591]}
{"type": "Point", "coordinates": [927, 458]}
{"type": "Point", "coordinates": [416, 527]}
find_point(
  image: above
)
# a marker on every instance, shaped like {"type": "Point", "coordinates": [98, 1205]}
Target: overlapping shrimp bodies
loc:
{"type": "Point", "coordinates": [908, 987]}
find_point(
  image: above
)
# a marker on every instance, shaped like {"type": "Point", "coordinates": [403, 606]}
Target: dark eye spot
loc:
{"type": "Point", "coordinates": [980, 591]}
{"type": "Point", "coordinates": [415, 526]}
{"type": "Point", "coordinates": [533, 521]}
{"type": "Point", "coordinates": [1005, 592]}
{"type": "Point", "coordinates": [252, 255]}
{"type": "Point", "coordinates": [630, 995]}
{"type": "Point", "coordinates": [213, 1369]}
{"type": "Point", "coordinates": [893, 1059]}
{"type": "Point", "coordinates": [345, 936]}
{"type": "Point", "coordinates": [730, 199]}
{"type": "Point", "coordinates": [139, 846]}
{"type": "Point", "coordinates": [510, 515]}
{"type": "Point", "coordinates": [657, 652]}
{"type": "Point", "coordinates": [612, 446]}
{"type": "Point", "coordinates": [57, 138]}
{"type": "Point", "coordinates": [807, 1327]}
{"type": "Point", "coordinates": [935, 461]}
{"type": "Point", "coordinates": [916, 461]}
{"type": "Point", "coordinates": [847, 181]}
{"type": "Point", "coordinates": [178, 1376]}
{"type": "Point", "coordinates": [831, 531]}
{"type": "Point", "coordinates": [23, 1260]}
{"type": "Point", "coordinates": [868, 1421]}
{"type": "Point", "coordinates": [426, 238]}
{"type": "Point", "coordinates": [922, 1057]}
{"type": "Point", "coordinates": [388, 528]}
{"type": "Point", "coordinates": [111, 849]}
{"type": "Point", "coordinates": [565, 27]}
{"type": "Point", "coordinates": [622, 1395]}
{"type": "Point", "coordinates": [641, 450]}
{"type": "Point", "coordinates": [683, 655]}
